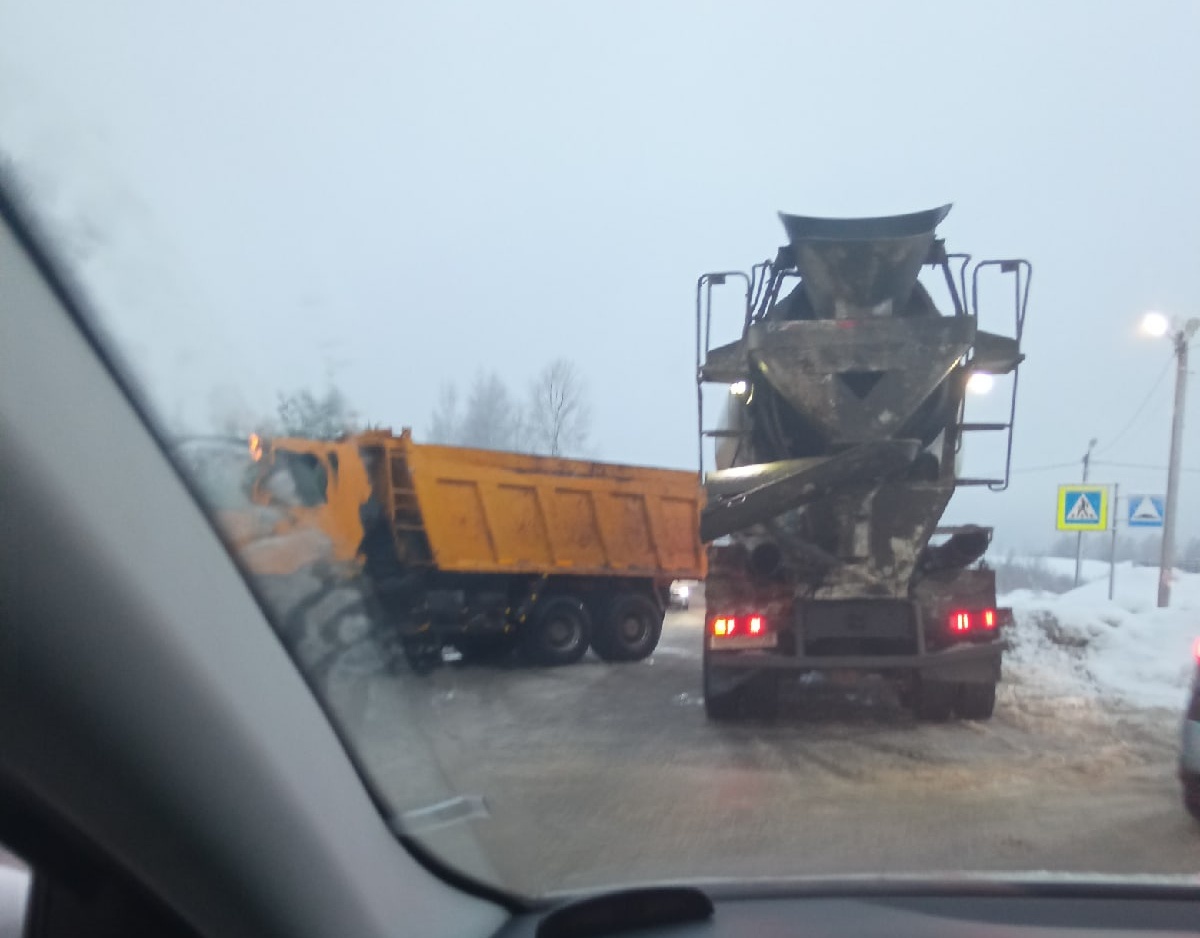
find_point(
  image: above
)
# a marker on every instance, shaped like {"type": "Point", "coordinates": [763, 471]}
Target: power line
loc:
{"type": "Point", "coordinates": [1142, 406]}
{"type": "Point", "coordinates": [1046, 468]}
{"type": "Point", "coordinates": [1134, 465]}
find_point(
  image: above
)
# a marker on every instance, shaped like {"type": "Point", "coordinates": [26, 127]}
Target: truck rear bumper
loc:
{"type": "Point", "coordinates": [973, 663]}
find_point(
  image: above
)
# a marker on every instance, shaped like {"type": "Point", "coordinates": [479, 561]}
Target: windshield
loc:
{"type": "Point", "coordinates": [419, 299]}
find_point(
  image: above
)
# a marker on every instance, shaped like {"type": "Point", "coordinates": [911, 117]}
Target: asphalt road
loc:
{"type": "Point", "coordinates": [600, 774]}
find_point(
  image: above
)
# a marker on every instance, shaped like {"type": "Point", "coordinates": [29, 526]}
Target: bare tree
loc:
{"type": "Point", "coordinates": [445, 425]}
{"type": "Point", "coordinates": [320, 417]}
{"type": "Point", "coordinates": [492, 419]}
{"type": "Point", "coordinates": [229, 414]}
{"type": "Point", "coordinates": [1063, 546]}
{"type": "Point", "coordinates": [1149, 549]}
{"type": "Point", "coordinates": [558, 413]}
{"type": "Point", "coordinates": [1190, 559]}
{"type": "Point", "coordinates": [554, 420]}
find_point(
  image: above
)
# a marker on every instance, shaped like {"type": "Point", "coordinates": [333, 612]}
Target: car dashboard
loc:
{"type": "Point", "coordinates": [990, 910]}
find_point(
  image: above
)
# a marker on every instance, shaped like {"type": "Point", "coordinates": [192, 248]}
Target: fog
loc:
{"type": "Point", "coordinates": [385, 197]}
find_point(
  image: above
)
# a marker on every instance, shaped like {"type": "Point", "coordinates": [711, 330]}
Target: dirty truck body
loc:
{"type": "Point", "coordinates": [485, 550]}
{"type": "Point", "coordinates": [835, 458]}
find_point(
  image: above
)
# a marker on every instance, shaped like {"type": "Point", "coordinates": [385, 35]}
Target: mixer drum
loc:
{"type": "Point", "coordinates": [782, 431]}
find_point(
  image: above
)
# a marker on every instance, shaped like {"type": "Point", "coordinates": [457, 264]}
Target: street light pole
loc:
{"type": "Point", "coordinates": [1087, 459]}
{"type": "Point", "coordinates": [1167, 561]}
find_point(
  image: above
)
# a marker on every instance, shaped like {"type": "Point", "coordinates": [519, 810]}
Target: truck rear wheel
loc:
{"type": "Point", "coordinates": [933, 701]}
{"type": "Point", "coordinates": [557, 633]}
{"type": "Point", "coordinates": [629, 629]}
{"type": "Point", "coordinates": [976, 701]}
{"type": "Point", "coordinates": [723, 707]}
{"type": "Point", "coordinates": [757, 698]}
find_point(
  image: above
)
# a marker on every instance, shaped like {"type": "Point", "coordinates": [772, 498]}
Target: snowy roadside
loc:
{"type": "Point", "coordinates": [1082, 646]}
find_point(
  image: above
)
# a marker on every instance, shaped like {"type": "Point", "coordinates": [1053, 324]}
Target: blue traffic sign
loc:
{"type": "Point", "coordinates": [1082, 507]}
{"type": "Point", "coordinates": [1146, 511]}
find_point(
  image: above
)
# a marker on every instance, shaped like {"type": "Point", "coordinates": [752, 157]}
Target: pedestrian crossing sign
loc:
{"type": "Point", "coordinates": [1082, 507]}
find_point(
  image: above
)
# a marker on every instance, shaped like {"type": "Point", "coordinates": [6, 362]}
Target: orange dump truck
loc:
{"type": "Point", "coordinates": [483, 550]}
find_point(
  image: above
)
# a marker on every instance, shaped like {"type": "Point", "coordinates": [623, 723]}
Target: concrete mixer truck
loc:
{"type": "Point", "coordinates": [835, 456]}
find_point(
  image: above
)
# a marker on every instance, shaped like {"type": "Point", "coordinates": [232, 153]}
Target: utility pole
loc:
{"type": "Point", "coordinates": [1112, 544]}
{"type": "Point", "coordinates": [1087, 459]}
{"type": "Point", "coordinates": [1180, 339]}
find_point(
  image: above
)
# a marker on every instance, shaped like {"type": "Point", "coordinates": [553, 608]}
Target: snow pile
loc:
{"type": "Point", "coordinates": [1065, 566]}
{"type": "Point", "coordinates": [1082, 644]}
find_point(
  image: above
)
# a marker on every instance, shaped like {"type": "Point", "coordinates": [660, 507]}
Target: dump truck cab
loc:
{"type": "Point", "coordinates": [322, 485]}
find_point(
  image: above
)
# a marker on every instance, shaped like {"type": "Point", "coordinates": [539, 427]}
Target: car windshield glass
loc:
{"type": "Point", "coordinates": [616, 406]}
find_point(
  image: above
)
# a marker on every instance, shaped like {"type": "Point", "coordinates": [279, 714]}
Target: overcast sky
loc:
{"type": "Point", "coordinates": [396, 194]}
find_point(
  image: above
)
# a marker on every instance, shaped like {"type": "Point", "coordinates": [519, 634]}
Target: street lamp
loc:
{"type": "Point", "coordinates": [1158, 325]}
{"type": "Point", "coordinates": [981, 382]}
{"type": "Point", "coordinates": [1155, 325]}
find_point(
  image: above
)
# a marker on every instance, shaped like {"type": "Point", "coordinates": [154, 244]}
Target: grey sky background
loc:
{"type": "Point", "coordinates": [268, 196]}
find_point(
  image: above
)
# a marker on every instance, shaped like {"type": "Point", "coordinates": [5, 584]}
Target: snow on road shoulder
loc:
{"type": "Point", "coordinates": [1081, 644]}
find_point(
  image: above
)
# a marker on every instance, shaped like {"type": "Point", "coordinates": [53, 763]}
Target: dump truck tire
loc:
{"type": "Point", "coordinates": [485, 649]}
{"type": "Point", "coordinates": [423, 657]}
{"type": "Point", "coordinates": [933, 701]}
{"type": "Point", "coordinates": [557, 633]}
{"type": "Point", "coordinates": [629, 629]}
{"type": "Point", "coordinates": [976, 701]}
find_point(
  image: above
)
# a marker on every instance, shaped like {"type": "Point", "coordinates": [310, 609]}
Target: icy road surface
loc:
{"type": "Point", "coordinates": [599, 774]}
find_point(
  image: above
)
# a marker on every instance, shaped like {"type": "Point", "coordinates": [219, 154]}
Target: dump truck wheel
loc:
{"type": "Point", "coordinates": [422, 656]}
{"type": "Point", "coordinates": [485, 649]}
{"type": "Point", "coordinates": [558, 632]}
{"type": "Point", "coordinates": [630, 628]}
{"type": "Point", "coordinates": [933, 701]}
{"type": "Point", "coordinates": [976, 701]}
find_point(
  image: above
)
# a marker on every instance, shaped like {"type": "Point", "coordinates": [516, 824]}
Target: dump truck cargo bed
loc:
{"type": "Point", "coordinates": [488, 512]}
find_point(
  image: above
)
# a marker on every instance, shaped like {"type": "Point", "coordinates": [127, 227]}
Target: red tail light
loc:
{"type": "Point", "coordinates": [965, 622]}
{"type": "Point", "coordinates": [735, 626]}
{"type": "Point", "coordinates": [1196, 651]}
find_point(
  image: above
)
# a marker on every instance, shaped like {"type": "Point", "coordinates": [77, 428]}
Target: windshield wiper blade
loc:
{"type": "Point", "coordinates": [626, 910]}
{"type": "Point", "coordinates": [454, 810]}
